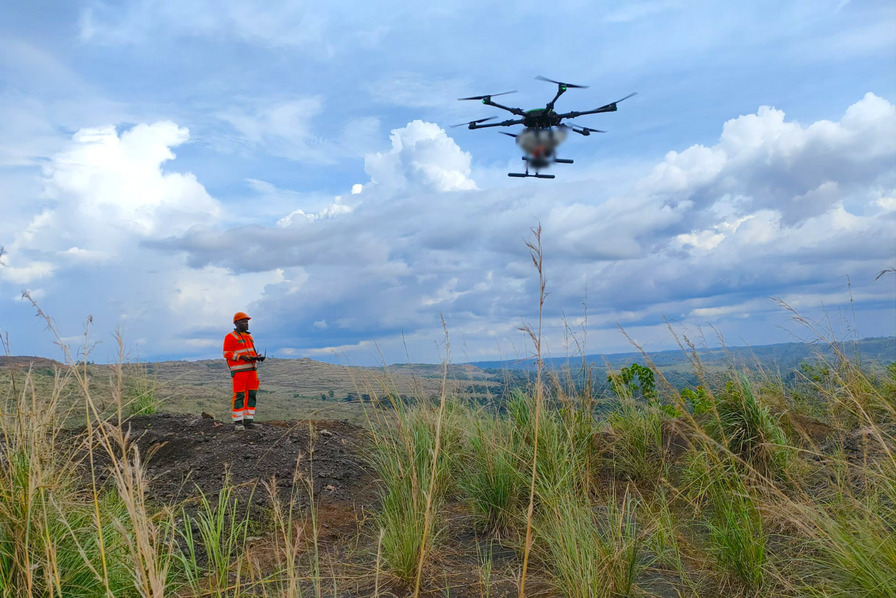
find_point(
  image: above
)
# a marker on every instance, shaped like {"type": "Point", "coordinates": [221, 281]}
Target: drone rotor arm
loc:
{"type": "Point", "coordinates": [611, 107]}
{"type": "Point", "coordinates": [503, 123]}
{"type": "Point", "coordinates": [517, 111]}
{"type": "Point", "coordinates": [473, 123]}
{"type": "Point", "coordinates": [576, 114]}
{"type": "Point", "coordinates": [581, 129]}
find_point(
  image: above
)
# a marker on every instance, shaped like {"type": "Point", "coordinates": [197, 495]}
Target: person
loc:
{"type": "Point", "coordinates": [242, 359]}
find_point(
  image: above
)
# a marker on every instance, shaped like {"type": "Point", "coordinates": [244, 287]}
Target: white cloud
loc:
{"type": "Point", "coordinates": [106, 195]}
{"type": "Point", "coordinates": [763, 161]}
{"type": "Point", "coordinates": [422, 157]}
{"type": "Point", "coordinates": [206, 297]}
{"type": "Point", "coordinates": [116, 183]}
{"type": "Point", "coordinates": [708, 235]}
{"type": "Point", "coordinates": [297, 217]}
{"type": "Point", "coordinates": [416, 90]}
{"type": "Point", "coordinates": [33, 271]}
{"type": "Point", "coordinates": [272, 23]}
{"type": "Point", "coordinates": [284, 128]}
{"type": "Point", "coordinates": [76, 254]}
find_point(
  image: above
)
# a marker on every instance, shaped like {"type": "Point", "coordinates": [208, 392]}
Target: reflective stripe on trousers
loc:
{"type": "Point", "coordinates": [245, 392]}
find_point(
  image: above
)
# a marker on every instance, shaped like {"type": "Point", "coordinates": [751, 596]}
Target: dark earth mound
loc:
{"type": "Point", "coordinates": [184, 454]}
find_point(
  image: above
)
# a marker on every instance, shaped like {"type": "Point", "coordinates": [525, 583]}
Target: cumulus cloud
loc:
{"type": "Point", "coordinates": [773, 208]}
{"type": "Point", "coordinates": [103, 192]}
{"type": "Point", "coordinates": [297, 217]}
{"type": "Point", "coordinates": [422, 157]}
{"type": "Point", "coordinates": [707, 235]}
{"type": "Point", "coordinates": [105, 196]}
{"type": "Point", "coordinates": [764, 161]}
{"type": "Point", "coordinates": [116, 181]}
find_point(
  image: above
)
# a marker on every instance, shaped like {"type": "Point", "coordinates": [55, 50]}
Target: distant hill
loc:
{"type": "Point", "coordinates": [304, 388]}
{"type": "Point", "coordinates": [784, 356]}
{"type": "Point", "coordinates": [26, 361]}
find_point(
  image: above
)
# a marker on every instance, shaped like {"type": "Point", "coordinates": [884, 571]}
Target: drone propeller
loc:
{"type": "Point", "coordinates": [473, 122]}
{"type": "Point", "coordinates": [489, 96]}
{"type": "Point", "coordinates": [561, 84]}
{"type": "Point", "coordinates": [508, 134]}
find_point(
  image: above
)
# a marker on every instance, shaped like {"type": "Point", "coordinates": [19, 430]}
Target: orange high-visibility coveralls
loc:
{"type": "Point", "coordinates": [244, 374]}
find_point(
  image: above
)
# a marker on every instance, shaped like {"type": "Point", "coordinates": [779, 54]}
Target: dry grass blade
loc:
{"type": "Point", "coordinates": [537, 255]}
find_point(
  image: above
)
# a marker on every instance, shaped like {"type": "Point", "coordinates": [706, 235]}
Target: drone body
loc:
{"type": "Point", "coordinates": [539, 145]}
{"type": "Point", "coordinates": [544, 128]}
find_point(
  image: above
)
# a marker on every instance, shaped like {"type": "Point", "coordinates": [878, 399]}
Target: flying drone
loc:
{"type": "Point", "coordinates": [544, 128]}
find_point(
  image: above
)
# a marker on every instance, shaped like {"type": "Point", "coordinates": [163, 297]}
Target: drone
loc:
{"type": "Point", "coordinates": [544, 128]}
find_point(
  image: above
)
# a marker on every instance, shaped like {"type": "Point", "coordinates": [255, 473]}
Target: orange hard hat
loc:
{"type": "Point", "coordinates": [241, 316]}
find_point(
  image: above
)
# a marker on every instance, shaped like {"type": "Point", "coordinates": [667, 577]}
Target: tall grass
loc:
{"type": "Point", "coordinates": [413, 484]}
{"type": "Point", "coordinates": [537, 255]}
{"type": "Point", "coordinates": [749, 430]}
{"type": "Point", "coordinates": [58, 537]}
{"type": "Point", "coordinates": [491, 481]}
{"type": "Point", "coordinates": [636, 448]}
{"type": "Point", "coordinates": [592, 552]}
{"type": "Point", "coordinates": [737, 536]}
{"type": "Point", "coordinates": [50, 540]}
{"type": "Point", "coordinates": [210, 554]}
{"type": "Point", "coordinates": [140, 390]}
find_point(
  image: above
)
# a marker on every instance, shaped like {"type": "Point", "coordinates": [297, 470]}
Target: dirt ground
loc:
{"type": "Point", "coordinates": [186, 454]}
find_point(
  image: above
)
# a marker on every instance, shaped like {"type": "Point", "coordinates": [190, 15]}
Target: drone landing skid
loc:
{"type": "Point", "coordinates": [537, 175]}
{"type": "Point", "coordinates": [526, 174]}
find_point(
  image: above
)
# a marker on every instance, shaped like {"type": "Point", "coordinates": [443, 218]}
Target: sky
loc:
{"type": "Point", "coordinates": [164, 164]}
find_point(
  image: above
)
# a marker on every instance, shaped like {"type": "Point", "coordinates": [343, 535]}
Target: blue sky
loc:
{"type": "Point", "coordinates": [164, 164]}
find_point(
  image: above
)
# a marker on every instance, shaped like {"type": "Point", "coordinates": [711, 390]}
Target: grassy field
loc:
{"type": "Point", "coordinates": [290, 388]}
{"type": "Point", "coordinates": [747, 484]}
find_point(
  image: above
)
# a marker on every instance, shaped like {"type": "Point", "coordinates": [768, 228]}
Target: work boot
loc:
{"type": "Point", "coordinates": [238, 427]}
{"type": "Point", "coordinates": [249, 424]}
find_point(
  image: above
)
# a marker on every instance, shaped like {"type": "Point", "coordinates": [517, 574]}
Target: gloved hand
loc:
{"type": "Point", "coordinates": [246, 358]}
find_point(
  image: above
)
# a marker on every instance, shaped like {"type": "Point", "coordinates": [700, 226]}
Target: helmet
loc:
{"type": "Point", "coordinates": [241, 316]}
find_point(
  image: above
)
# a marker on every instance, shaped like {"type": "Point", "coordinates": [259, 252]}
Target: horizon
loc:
{"type": "Point", "coordinates": [165, 165]}
{"type": "Point", "coordinates": [546, 359]}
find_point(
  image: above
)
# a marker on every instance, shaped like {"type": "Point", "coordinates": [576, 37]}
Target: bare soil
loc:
{"type": "Point", "coordinates": [186, 455]}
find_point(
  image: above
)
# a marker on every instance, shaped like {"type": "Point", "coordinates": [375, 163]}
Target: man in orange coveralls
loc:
{"type": "Point", "coordinates": [239, 351]}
